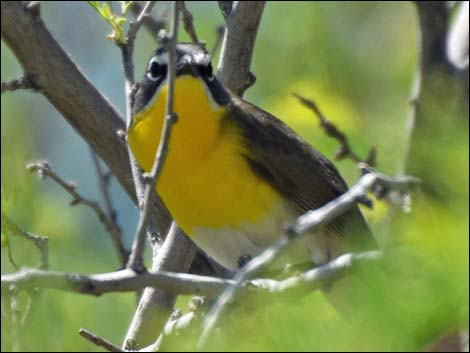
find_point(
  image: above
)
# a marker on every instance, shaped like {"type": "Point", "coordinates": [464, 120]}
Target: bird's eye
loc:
{"type": "Point", "coordinates": [206, 70]}
{"type": "Point", "coordinates": [155, 70]}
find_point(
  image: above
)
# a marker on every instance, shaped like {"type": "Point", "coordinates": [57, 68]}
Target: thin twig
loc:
{"type": "Point", "coordinates": [135, 258]}
{"type": "Point", "coordinates": [188, 22]}
{"type": "Point", "coordinates": [99, 341]}
{"type": "Point", "coordinates": [152, 24]}
{"type": "Point", "coordinates": [115, 232]}
{"type": "Point", "coordinates": [43, 169]}
{"type": "Point", "coordinates": [309, 222]}
{"type": "Point", "coordinates": [135, 26]}
{"type": "Point", "coordinates": [333, 131]}
{"type": "Point", "coordinates": [39, 241]}
{"type": "Point", "coordinates": [28, 81]}
{"type": "Point", "coordinates": [127, 51]}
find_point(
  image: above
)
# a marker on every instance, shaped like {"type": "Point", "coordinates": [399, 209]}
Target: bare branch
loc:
{"type": "Point", "coordinates": [152, 24]}
{"type": "Point", "coordinates": [309, 222]}
{"type": "Point", "coordinates": [188, 23]}
{"type": "Point", "coordinates": [115, 232]}
{"type": "Point", "coordinates": [238, 44]}
{"type": "Point", "coordinates": [126, 280]}
{"type": "Point", "coordinates": [119, 281]}
{"type": "Point", "coordinates": [333, 131]}
{"type": "Point", "coordinates": [43, 169]}
{"type": "Point", "coordinates": [99, 341]}
{"type": "Point", "coordinates": [28, 81]}
{"type": "Point", "coordinates": [127, 52]}
{"type": "Point", "coordinates": [135, 25]}
{"type": "Point", "coordinates": [313, 220]}
{"type": "Point", "coordinates": [176, 254]}
{"type": "Point", "coordinates": [39, 241]}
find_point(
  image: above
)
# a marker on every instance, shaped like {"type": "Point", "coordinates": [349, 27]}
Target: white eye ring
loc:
{"type": "Point", "coordinates": [149, 72]}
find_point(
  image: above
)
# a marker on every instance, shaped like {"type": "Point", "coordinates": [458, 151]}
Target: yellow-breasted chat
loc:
{"type": "Point", "coordinates": [235, 175]}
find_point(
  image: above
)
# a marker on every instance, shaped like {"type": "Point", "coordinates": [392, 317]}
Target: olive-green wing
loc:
{"type": "Point", "coordinates": [296, 170]}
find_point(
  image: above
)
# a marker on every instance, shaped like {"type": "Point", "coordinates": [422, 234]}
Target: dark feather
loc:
{"type": "Point", "coordinates": [296, 170]}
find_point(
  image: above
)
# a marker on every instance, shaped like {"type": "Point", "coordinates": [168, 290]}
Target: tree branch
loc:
{"type": "Point", "coordinates": [188, 23]}
{"type": "Point", "coordinates": [103, 183]}
{"type": "Point", "coordinates": [152, 24]}
{"type": "Point", "coordinates": [238, 44]}
{"type": "Point", "coordinates": [176, 254]}
{"type": "Point", "coordinates": [119, 281]}
{"type": "Point", "coordinates": [126, 280]}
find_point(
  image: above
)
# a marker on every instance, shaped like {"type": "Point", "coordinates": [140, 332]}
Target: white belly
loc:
{"type": "Point", "coordinates": [227, 245]}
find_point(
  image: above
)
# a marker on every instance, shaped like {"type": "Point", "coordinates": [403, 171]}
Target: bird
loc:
{"type": "Point", "coordinates": [235, 175]}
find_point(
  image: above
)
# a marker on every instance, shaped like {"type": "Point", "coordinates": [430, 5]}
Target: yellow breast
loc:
{"type": "Point", "coordinates": [205, 181]}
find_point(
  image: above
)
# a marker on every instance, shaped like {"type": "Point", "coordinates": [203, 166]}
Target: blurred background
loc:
{"type": "Point", "coordinates": [357, 60]}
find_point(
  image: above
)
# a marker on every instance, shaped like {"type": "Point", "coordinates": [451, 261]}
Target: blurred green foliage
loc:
{"type": "Point", "coordinates": [357, 61]}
